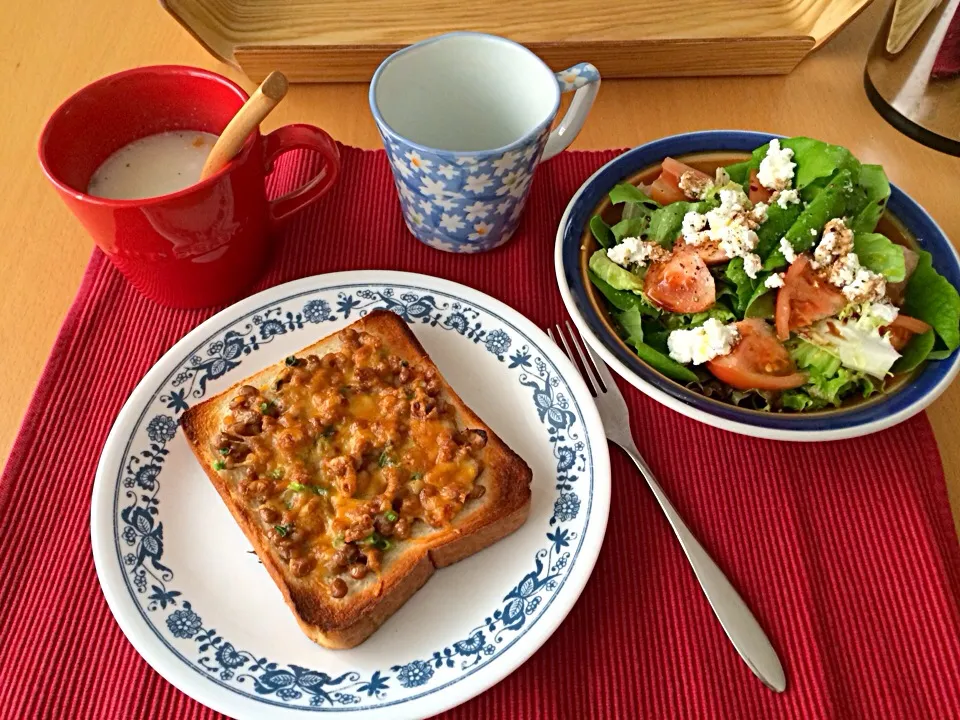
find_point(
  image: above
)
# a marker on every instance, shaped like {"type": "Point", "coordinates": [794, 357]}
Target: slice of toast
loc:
{"type": "Point", "coordinates": [328, 446]}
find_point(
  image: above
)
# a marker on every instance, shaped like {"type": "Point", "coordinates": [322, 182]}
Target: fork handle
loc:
{"type": "Point", "coordinates": [735, 617]}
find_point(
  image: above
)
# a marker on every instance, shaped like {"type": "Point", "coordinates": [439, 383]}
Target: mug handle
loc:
{"type": "Point", "coordinates": [585, 79]}
{"type": "Point", "coordinates": [301, 137]}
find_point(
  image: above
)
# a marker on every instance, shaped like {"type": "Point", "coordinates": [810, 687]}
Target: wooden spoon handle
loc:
{"type": "Point", "coordinates": [254, 110]}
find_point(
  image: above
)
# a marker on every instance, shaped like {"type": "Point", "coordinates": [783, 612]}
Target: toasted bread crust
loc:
{"type": "Point", "coordinates": [346, 622]}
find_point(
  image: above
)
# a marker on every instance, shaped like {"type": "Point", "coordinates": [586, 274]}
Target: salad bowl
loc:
{"type": "Point", "coordinates": [596, 320]}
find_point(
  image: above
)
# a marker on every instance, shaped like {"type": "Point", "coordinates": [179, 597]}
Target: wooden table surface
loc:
{"type": "Point", "coordinates": [46, 53]}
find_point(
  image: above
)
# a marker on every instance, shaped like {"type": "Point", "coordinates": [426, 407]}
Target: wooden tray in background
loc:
{"type": "Point", "coordinates": [345, 40]}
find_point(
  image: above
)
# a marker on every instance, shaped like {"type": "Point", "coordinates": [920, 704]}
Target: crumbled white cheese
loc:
{"type": "Point", "coordinates": [774, 281]}
{"type": "Point", "coordinates": [834, 256]}
{"type": "Point", "coordinates": [786, 249]}
{"type": "Point", "coordinates": [813, 231]}
{"type": "Point", "coordinates": [694, 184]}
{"type": "Point", "coordinates": [787, 197]}
{"type": "Point", "coordinates": [700, 344]}
{"type": "Point", "coordinates": [752, 265]}
{"type": "Point", "coordinates": [732, 199]}
{"type": "Point", "coordinates": [738, 241]}
{"type": "Point", "coordinates": [721, 178]}
{"type": "Point", "coordinates": [731, 225]}
{"type": "Point", "coordinates": [693, 225]}
{"type": "Point", "coordinates": [634, 251]}
{"type": "Point", "coordinates": [776, 169]}
{"type": "Point", "coordinates": [836, 242]}
{"type": "Point", "coordinates": [883, 312]}
{"type": "Point", "coordinates": [844, 269]}
{"type": "Point", "coordinates": [866, 285]}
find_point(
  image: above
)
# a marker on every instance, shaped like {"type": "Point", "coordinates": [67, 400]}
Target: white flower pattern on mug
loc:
{"type": "Point", "coordinates": [403, 168]}
{"type": "Point", "coordinates": [418, 162]}
{"type": "Point", "coordinates": [470, 201]}
{"type": "Point", "coordinates": [477, 210]}
{"type": "Point", "coordinates": [478, 183]}
{"type": "Point", "coordinates": [431, 187]}
{"type": "Point", "coordinates": [481, 230]}
{"type": "Point", "coordinates": [451, 223]}
{"type": "Point", "coordinates": [505, 162]}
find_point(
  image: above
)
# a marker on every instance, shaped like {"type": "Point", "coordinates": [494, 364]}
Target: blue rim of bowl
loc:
{"type": "Point", "coordinates": [883, 412]}
{"type": "Point", "coordinates": [394, 135]}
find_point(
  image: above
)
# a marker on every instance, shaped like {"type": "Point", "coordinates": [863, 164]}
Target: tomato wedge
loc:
{"type": "Point", "coordinates": [681, 283]}
{"type": "Point", "coordinates": [710, 252]}
{"type": "Point", "coordinates": [666, 188]}
{"type": "Point", "coordinates": [898, 337]}
{"type": "Point", "coordinates": [914, 325]}
{"type": "Point", "coordinates": [805, 298]}
{"type": "Point", "coordinates": [665, 192]}
{"type": "Point", "coordinates": [758, 361]}
{"type": "Point", "coordinates": [902, 329]}
{"type": "Point", "coordinates": [675, 169]}
{"type": "Point", "coordinates": [758, 193]}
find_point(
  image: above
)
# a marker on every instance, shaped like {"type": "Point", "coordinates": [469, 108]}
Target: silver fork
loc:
{"type": "Point", "coordinates": [738, 622]}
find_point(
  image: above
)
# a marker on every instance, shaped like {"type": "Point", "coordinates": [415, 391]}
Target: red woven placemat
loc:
{"type": "Point", "coordinates": [846, 551]}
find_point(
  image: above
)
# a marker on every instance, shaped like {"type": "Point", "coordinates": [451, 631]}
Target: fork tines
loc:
{"type": "Point", "coordinates": [593, 370]}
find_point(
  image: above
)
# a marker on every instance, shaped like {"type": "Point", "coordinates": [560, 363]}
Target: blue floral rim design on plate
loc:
{"type": "Point", "coordinates": [138, 527]}
{"type": "Point", "coordinates": [923, 227]}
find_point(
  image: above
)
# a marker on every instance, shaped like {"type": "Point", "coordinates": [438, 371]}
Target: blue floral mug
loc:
{"type": "Point", "coordinates": [465, 118]}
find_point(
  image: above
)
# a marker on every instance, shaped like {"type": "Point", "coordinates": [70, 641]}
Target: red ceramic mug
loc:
{"type": "Point", "coordinates": [201, 246]}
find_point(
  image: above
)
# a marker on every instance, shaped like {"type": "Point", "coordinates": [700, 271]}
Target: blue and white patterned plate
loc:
{"type": "Point", "coordinates": [184, 587]}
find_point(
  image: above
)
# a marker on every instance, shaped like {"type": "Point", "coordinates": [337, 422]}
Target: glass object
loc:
{"type": "Point", "coordinates": [913, 71]}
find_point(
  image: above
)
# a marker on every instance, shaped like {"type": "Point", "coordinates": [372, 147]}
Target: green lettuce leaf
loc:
{"type": "Point", "coordinates": [666, 222]}
{"type": "Point", "coordinates": [915, 352]}
{"type": "Point", "coordinates": [685, 321]}
{"type": "Point", "coordinates": [879, 254]}
{"type": "Point", "coordinates": [632, 323]}
{"type": "Point", "coordinates": [829, 382]}
{"type": "Point", "coordinates": [627, 193]}
{"type": "Point", "coordinates": [636, 206]}
{"type": "Point", "coordinates": [631, 227]}
{"type": "Point", "coordinates": [829, 204]}
{"type": "Point", "coordinates": [743, 285]}
{"type": "Point", "coordinates": [762, 303]}
{"type": "Point", "coordinates": [876, 188]}
{"type": "Point", "coordinates": [601, 231]}
{"type": "Point", "coordinates": [615, 276]}
{"type": "Point", "coordinates": [799, 400]}
{"type": "Point", "coordinates": [832, 392]}
{"type": "Point", "coordinates": [811, 357]}
{"type": "Point", "coordinates": [623, 299]}
{"type": "Point", "coordinates": [779, 221]}
{"type": "Point", "coordinates": [655, 335]}
{"type": "Point", "coordinates": [815, 159]}
{"type": "Point", "coordinates": [934, 300]}
{"type": "Point", "coordinates": [740, 172]}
